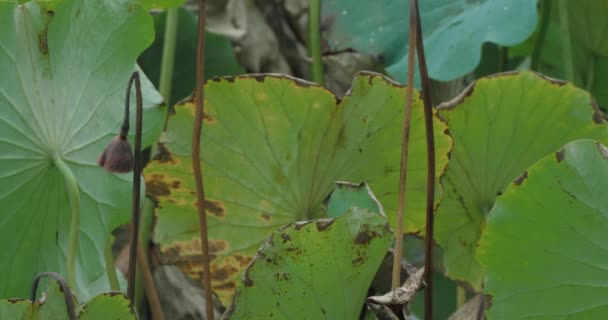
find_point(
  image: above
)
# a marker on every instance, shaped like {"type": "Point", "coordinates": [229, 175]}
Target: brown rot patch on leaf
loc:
{"type": "Point", "coordinates": [223, 273]}
{"type": "Point", "coordinates": [285, 237]}
{"type": "Point", "coordinates": [43, 45]}
{"type": "Point", "coordinates": [216, 245]}
{"type": "Point", "coordinates": [265, 216]}
{"type": "Point", "coordinates": [247, 281]}
{"type": "Point", "coordinates": [272, 260]}
{"type": "Point", "coordinates": [16, 300]}
{"type": "Point", "coordinates": [156, 186]}
{"type": "Point", "coordinates": [282, 276]}
{"type": "Point", "coordinates": [323, 224]}
{"type": "Point", "coordinates": [242, 260]}
{"type": "Point", "coordinates": [560, 155]}
{"type": "Point", "coordinates": [365, 236]}
{"type": "Point", "coordinates": [208, 119]}
{"type": "Point", "coordinates": [164, 156]}
{"type": "Point", "coordinates": [519, 180]}
{"type": "Point", "coordinates": [175, 184]}
{"type": "Point", "coordinates": [113, 294]}
{"type": "Point", "coordinates": [358, 261]}
{"type": "Point", "coordinates": [226, 286]}
{"type": "Point", "coordinates": [215, 207]}
{"type": "Point", "coordinates": [184, 251]}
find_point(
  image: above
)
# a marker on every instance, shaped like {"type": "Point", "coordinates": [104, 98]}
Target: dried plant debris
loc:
{"type": "Point", "coordinates": [395, 304]}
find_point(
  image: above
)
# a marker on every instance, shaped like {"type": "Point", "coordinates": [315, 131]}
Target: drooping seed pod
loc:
{"type": "Point", "coordinates": [117, 157]}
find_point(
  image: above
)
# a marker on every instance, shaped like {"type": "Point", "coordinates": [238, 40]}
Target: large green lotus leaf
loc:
{"type": "Point", "coordinates": [501, 125]}
{"type": "Point", "coordinates": [111, 305]}
{"type": "Point", "coordinates": [272, 148]}
{"type": "Point", "coordinates": [545, 247]}
{"type": "Point", "coordinates": [220, 59]}
{"type": "Point", "coordinates": [64, 74]}
{"type": "Point", "coordinates": [314, 270]}
{"type": "Point", "coordinates": [453, 30]}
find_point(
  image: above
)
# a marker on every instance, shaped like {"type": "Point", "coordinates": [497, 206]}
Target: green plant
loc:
{"type": "Point", "coordinates": [61, 97]}
{"type": "Point", "coordinates": [300, 131]}
{"type": "Point", "coordinates": [287, 225]}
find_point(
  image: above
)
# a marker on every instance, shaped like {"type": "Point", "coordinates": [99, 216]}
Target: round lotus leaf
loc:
{"type": "Point", "coordinates": [62, 86]}
{"type": "Point", "coordinates": [272, 149]}
{"type": "Point", "coordinates": [453, 30]}
{"type": "Point", "coordinates": [501, 125]}
{"type": "Point", "coordinates": [314, 270]}
{"type": "Point", "coordinates": [545, 247]}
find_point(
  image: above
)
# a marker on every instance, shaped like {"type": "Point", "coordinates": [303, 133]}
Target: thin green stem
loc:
{"type": "Point", "coordinates": [74, 195]}
{"type": "Point", "coordinates": [314, 41]}
{"type": "Point", "coordinates": [110, 268]}
{"type": "Point", "coordinates": [590, 73]}
{"type": "Point", "coordinates": [168, 59]}
{"type": "Point", "coordinates": [566, 40]}
{"type": "Point", "coordinates": [545, 9]}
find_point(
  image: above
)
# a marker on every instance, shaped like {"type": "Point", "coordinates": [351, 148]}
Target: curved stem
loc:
{"type": "Point", "coordinates": [74, 196]}
{"type": "Point", "coordinates": [314, 41]}
{"type": "Point", "coordinates": [135, 206]}
{"type": "Point", "coordinates": [69, 297]}
{"type": "Point", "coordinates": [196, 161]}
{"type": "Point", "coordinates": [430, 182]}
{"type": "Point", "coordinates": [566, 41]}
{"type": "Point", "coordinates": [145, 228]}
{"type": "Point", "coordinates": [156, 310]}
{"type": "Point", "coordinates": [407, 116]}
{"type": "Point", "coordinates": [545, 8]}
{"type": "Point", "coordinates": [168, 58]}
{"type": "Point", "coordinates": [144, 278]}
{"type": "Point", "coordinates": [110, 268]}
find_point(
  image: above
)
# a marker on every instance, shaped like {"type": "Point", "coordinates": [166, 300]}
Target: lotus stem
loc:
{"type": "Point", "coordinates": [407, 116]}
{"type": "Point", "coordinates": [430, 183]}
{"type": "Point", "coordinates": [314, 41]}
{"type": "Point", "coordinates": [196, 161]}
